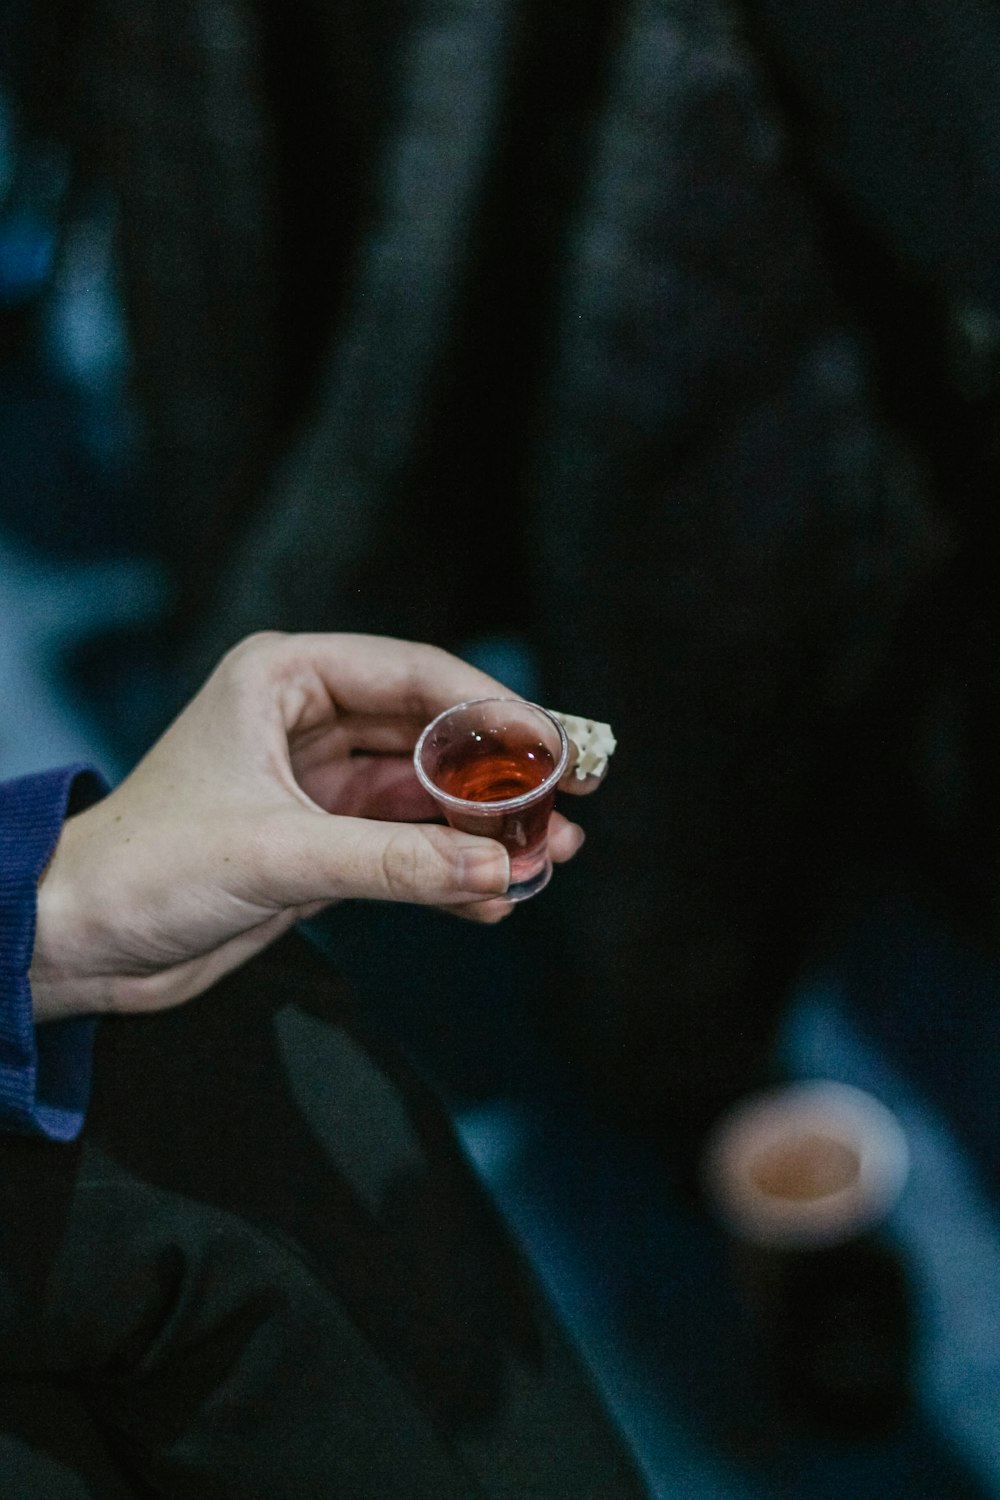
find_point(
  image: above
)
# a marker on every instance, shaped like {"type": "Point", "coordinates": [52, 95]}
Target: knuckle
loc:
{"type": "Point", "coordinates": [259, 641]}
{"type": "Point", "coordinates": [246, 656]}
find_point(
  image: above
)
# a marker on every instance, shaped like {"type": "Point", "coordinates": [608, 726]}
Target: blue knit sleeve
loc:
{"type": "Point", "coordinates": [44, 1070]}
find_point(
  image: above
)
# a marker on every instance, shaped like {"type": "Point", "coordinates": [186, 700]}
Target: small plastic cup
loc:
{"type": "Point", "coordinates": [492, 766]}
{"type": "Point", "coordinates": [804, 1179]}
{"type": "Point", "coordinates": [806, 1165]}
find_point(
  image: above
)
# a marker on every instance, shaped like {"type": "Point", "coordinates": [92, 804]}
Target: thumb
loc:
{"type": "Point", "coordinates": [423, 863]}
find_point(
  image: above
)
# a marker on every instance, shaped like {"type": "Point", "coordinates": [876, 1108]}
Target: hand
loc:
{"type": "Point", "coordinates": [284, 785]}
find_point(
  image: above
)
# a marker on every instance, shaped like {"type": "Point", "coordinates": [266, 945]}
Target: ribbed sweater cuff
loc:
{"type": "Point", "coordinates": [44, 1070]}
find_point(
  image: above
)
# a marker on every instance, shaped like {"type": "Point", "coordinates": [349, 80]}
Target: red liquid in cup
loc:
{"type": "Point", "coordinates": [493, 768]}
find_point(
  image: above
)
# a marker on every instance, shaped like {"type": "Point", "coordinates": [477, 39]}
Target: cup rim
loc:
{"type": "Point", "coordinates": [505, 804]}
{"type": "Point", "coordinates": [820, 1106]}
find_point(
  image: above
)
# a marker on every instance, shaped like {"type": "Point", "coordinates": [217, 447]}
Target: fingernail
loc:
{"type": "Point", "coordinates": [484, 869]}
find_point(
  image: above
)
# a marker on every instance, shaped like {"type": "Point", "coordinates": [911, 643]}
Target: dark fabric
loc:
{"type": "Point", "coordinates": [895, 115]}
{"type": "Point", "coordinates": [725, 531]}
{"type": "Point", "coordinates": [266, 1269]}
{"type": "Point", "coordinates": [44, 1071]}
{"type": "Point", "coordinates": [904, 100]}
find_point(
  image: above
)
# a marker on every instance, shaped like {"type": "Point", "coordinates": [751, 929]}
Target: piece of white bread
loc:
{"type": "Point", "coordinates": [594, 743]}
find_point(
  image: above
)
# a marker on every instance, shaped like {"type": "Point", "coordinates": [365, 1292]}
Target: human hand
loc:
{"type": "Point", "coordinates": [284, 785]}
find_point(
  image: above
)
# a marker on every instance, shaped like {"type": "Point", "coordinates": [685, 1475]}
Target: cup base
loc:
{"type": "Point", "coordinates": [521, 890]}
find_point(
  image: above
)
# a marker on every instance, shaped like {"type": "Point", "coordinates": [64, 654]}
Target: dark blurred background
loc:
{"type": "Point", "coordinates": [649, 354]}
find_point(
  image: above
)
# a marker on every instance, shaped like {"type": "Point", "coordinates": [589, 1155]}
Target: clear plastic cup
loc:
{"type": "Point", "coordinates": [492, 766]}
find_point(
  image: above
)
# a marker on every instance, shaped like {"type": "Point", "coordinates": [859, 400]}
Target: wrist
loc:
{"type": "Point", "coordinates": [61, 986]}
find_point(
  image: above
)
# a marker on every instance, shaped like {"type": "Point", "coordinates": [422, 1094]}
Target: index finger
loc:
{"type": "Point", "coordinates": [373, 674]}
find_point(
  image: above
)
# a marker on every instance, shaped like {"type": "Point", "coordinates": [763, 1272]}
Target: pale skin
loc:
{"type": "Point", "coordinates": [286, 784]}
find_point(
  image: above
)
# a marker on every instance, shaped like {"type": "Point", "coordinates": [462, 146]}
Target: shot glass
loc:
{"type": "Point", "coordinates": [492, 766]}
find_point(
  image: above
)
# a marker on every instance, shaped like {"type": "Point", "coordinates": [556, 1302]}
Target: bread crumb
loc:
{"type": "Point", "coordinates": [594, 743]}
